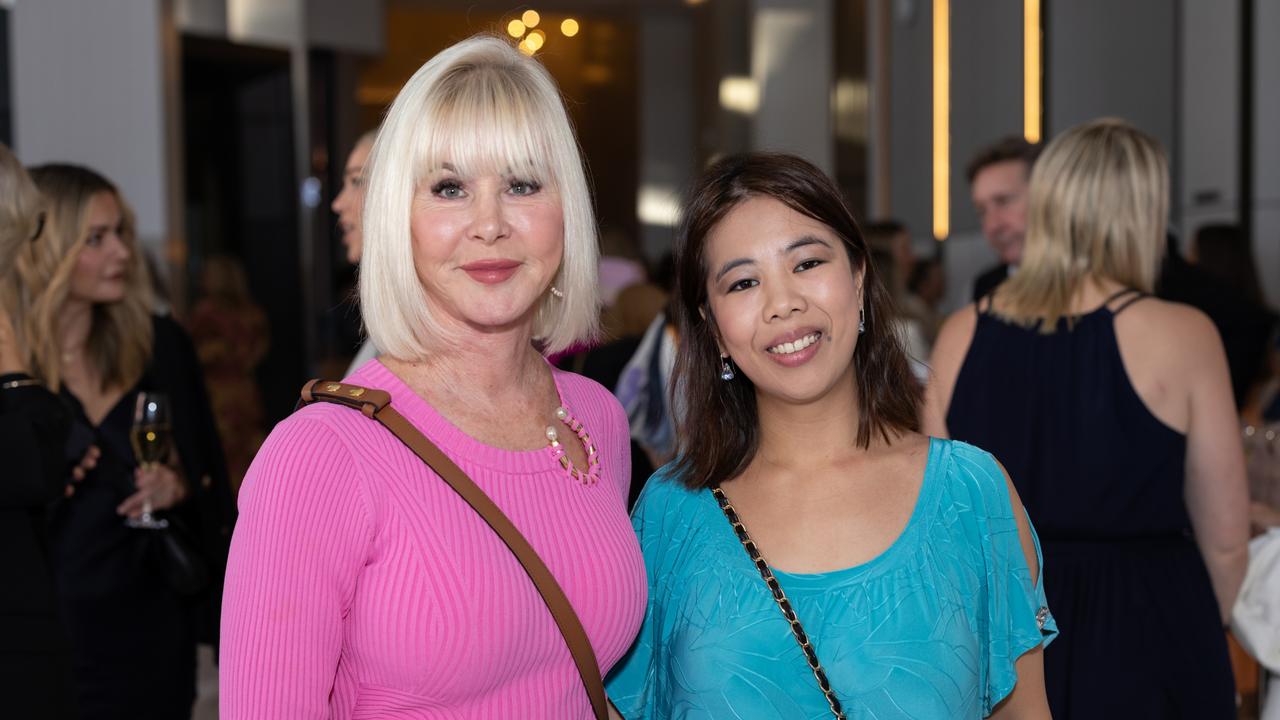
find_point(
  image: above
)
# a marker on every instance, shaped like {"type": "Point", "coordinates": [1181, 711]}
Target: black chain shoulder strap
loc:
{"type": "Point", "coordinates": [780, 597]}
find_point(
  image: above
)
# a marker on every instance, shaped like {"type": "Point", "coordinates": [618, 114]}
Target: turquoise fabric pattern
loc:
{"type": "Point", "coordinates": [928, 629]}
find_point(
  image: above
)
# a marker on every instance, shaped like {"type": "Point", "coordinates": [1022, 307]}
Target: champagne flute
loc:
{"type": "Point", "coordinates": [151, 438]}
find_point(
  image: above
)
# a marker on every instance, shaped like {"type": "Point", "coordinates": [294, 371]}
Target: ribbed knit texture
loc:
{"type": "Point", "coordinates": [361, 586]}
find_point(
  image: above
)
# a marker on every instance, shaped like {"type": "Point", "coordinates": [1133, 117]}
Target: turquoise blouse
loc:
{"type": "Point", "coordinates": [930, 628]}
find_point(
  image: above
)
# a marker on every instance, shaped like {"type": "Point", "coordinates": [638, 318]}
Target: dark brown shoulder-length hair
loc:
{"type": "Point", "coordinates": [717, 428]}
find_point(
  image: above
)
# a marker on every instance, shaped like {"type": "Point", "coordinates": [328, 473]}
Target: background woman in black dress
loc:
{"type": "Point", "coordinates": [133, 632]}
{"type": "Point", "coordinates": [35, 677]}
{"type": "Point", "coordinates": [1113, 413]}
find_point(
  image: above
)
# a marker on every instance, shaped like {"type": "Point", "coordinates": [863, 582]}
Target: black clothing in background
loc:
{"type": "Point", "coordinates": [1244, 325]}
{"type": "Point", "coordinates": [989, 280]}
{"type": "Point", "coordinates": [1102, 481]}
{"type": "Point", "coordinates": [35, 669]}
{"type": "Point", "coordinates": [133, 637]}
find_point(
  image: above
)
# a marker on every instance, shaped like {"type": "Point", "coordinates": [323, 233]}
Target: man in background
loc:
{"type": "Point", "coordinates": [998, 179]}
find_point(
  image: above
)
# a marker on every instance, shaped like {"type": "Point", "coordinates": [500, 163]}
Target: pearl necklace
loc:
{"type": "Point", "coordinates": [592, 473]}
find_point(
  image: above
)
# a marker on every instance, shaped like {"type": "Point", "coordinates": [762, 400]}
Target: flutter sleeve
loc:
{"type": "Point", "coordinates": [1016, 613]}
{"type": "Point", "coordinates": [636, 684]}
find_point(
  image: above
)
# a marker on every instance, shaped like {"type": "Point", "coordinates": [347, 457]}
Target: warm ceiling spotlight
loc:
{"type": "Point", "coordinates": [515, 28]}
{"type": "Point", "coordinates": [569, 27]}
{"type": "Point", "coordinates": [524, 47]}
{"type": "Point", "coordinates": [536, 39]}
{"type": "Point", "coordinates": [531, 18]}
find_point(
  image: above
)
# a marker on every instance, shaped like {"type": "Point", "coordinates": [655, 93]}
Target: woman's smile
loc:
{"type": "Point", "coordinates": [491, 272]}
{"type": "Point", "coordinates": [796, 348]}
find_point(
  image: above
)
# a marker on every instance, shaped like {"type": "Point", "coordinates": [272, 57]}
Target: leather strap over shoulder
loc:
{"type": "Point", "coordinates": [366, 400]}
{"type": "Point", "coordinates": [376, 405]}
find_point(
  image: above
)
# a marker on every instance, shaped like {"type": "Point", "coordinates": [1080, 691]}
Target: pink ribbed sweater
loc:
{"type": "Point", "coordinates": [361, 586]}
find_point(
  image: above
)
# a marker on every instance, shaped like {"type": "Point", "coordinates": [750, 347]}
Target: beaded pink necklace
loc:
{"type": "Point", "coordinates": [592, 473]}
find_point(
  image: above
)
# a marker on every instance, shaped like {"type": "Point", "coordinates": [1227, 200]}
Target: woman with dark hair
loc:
{"type": "Point", "coordinates": [809, 552]}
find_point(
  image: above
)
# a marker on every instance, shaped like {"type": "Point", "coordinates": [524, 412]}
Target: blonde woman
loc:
{"type": "Point", "coordinates": [133, 629]}
{"type": "Point", "coordinates": [1112, 411]}
{"type": "Point", "coordinates": [360, 585]}
{"type": "Point", "coordinates": [35, 677]}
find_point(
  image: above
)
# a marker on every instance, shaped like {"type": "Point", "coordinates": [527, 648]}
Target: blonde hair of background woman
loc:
{"type": "Point", "coordinates": [481, 107]}
{"type": "Point", "coordinates": [20, 208]}
{"type": "Point", "coordinates": [120, 340]}
{"type": "Point", "coordinates": [1099, 198]}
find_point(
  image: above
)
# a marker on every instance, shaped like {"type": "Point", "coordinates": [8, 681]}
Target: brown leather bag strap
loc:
{"type": "Point", "coordinates": [376, 404]}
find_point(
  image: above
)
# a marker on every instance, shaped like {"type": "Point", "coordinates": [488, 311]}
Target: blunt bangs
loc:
{"type": "Point", "coordinates": [482, 122]}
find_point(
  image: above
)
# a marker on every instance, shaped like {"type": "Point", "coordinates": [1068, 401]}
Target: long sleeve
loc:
{"type": "Point", "coordinates": [304, 532]}
{"type": "Point", "coordinates": [208, 512]}
{"type": "Point", "coordinates": [33, 435]}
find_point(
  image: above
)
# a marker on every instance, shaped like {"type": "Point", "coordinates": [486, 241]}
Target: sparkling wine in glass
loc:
{"type": "Point", "coordinates": [152, 439]}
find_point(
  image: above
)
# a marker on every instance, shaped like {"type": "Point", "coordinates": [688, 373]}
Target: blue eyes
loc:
{"type": "Point", "coordinates": [524, 187]}
{"type": "Point", "coordinates": [447, 189]}
{"type": "Point", "coordinates": [452, 189]}
{"type": "Point", "coordinates": [747, 283]}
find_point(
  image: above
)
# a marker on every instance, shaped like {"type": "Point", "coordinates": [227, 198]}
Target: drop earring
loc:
{"type": "Point", "coordinates": [726, 370]}
{"type": "Point", "coordinates": [862, 321]}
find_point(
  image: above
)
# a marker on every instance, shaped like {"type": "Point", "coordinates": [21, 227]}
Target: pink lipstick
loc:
{"type": "Point", "coordinates": [491, 272]}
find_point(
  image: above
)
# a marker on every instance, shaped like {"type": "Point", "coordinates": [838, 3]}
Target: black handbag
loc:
{"type": "Point", "coordinates": [185, 567]}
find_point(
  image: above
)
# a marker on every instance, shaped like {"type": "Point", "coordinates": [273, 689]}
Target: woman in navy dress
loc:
{"type": "Point", "coordinates": [1113, 413]}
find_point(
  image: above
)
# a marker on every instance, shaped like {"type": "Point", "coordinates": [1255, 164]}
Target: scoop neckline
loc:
{"type": "Point", "coordinates": [428, 420]}
{"type": "Point", "coordinates": [903, 543]}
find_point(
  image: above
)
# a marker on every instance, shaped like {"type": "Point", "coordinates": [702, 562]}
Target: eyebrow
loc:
{"type": "Point", "coordinates": [796, 244]}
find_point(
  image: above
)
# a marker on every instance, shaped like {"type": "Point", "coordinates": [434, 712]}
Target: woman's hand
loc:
{"type": "Point", "coordinates": [10, 357]}
{"type": "Point", "coordinates": [82, 468]}
{"type": "Point", "coordinates": [160, 487]}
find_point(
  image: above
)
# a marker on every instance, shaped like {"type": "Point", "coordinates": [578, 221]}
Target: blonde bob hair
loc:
{"type": "Point", "coordinates": [21, 226]}
{"type": "Point", "coordinates": [120, 337]}
{"type": "Point", "coordinates": [480, 107]}
{"type": "Point", "coordinates": [1097, 208]}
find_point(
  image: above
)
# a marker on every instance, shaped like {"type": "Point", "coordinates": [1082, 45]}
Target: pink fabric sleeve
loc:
{"type": "Point", "coordinates": [305, 529]}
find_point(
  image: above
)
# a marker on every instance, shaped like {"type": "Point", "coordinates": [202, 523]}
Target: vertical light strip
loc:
{"type": "Point", "coordinates": [941, 119]}
{"type": "Point", "coordinates": [1031, 73]}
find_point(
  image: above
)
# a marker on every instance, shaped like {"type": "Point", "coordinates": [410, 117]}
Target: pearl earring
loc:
{"type": "Point", "coordinates": [557, 292]}
{"type": "Point", "coordinates": [726, 370]}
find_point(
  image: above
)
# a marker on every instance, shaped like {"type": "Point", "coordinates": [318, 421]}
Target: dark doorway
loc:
{"type": "Point", "coordinates": [240, 192]}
